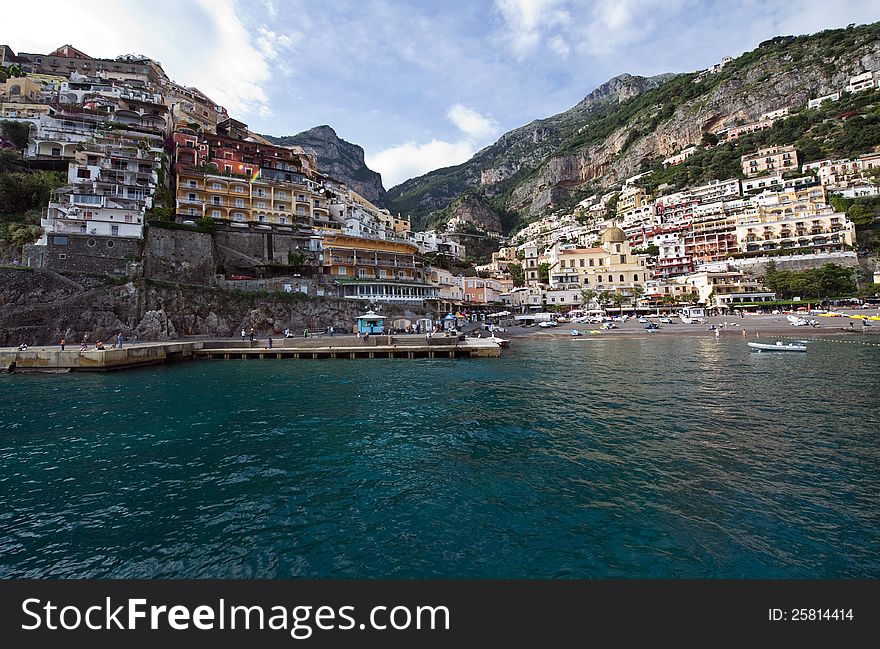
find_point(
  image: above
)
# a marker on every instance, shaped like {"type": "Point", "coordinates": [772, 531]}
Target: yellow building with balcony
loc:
{"type": "Point", "coordinates": [238, 199]}
{"type": "Point", "coordinates": [794, 219]}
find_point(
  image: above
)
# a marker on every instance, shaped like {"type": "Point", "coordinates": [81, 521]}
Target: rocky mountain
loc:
{"type": "Point", "coordinates": [630, 124]}
{"type": "Point", "coordinates": [513, 156]}
{"type": "Point", "coordinates": [339, 159]}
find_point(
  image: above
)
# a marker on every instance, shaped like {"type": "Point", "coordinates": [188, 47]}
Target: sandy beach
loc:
{"type": "Point", "coordinates": [752, 326]}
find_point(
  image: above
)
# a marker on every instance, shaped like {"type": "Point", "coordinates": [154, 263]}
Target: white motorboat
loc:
{"type": "Point", "coordinates": [778, 347]}
{"type": "Point", "coordinates": [575, 332]}
{"type": "Point", "coordinates": [797, 321]}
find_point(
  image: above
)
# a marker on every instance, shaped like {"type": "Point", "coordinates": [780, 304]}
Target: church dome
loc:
{"type": "Point", "coordinates": [613, 235]}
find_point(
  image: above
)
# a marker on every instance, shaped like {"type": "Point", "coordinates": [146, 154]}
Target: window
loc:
{"type": "Point", "coordinates": [581, 263]}
{"type": "Point", "coordinates": [281, 207]}
{"type": "Point", "coordinates": [621, 278]}
{"type": "Point", "coordinates": [282, 220]}
{"type": "Point", "coordinates": [192, 211]}
{"type": "Point", "coordinates": [261, 205]}
{"type": "Point", "coordinates": [261, 192]}
{"type": "Point", "coordinates": [261, 218]}
{"type": "Point", "coordinates": [114, 232]}
{"type": "Point", "coordinates": [83, 173]}
{"type": "Point", "coordinates": [591, 263]}
{"type": "Point", "coordinates": [62, 255]}
{"type": "Point", "coordinates": [193, 184]}
{"type": "Point", "coordinates": [215, 214]}
{"type": "Point", "coordinates": [239, 202]}
{"type": "Point", "coordinates": [238, 217]}
{"type": "Point", "coordinates": [216, 200]}
{"type": "Point", "coordinates": [622, 259]}
{"type": "Point", "coordinates": [635, 278]}
{"type": "Point", "coordinates": [128, 218]}
{"type": "Point", "coordinates": [599, 279]}
{"type": "Point", "coordinates": [215, 185]}
{"type": "Point", "coordinates": [282, 195]}
{"type": "Point", "coordinates": [191, 196]}
{"type": "Point", "coordinates": [238, 189]}
{"type": "Point", "coordinates": [228, 168]}
{"type": "Point", "coordinates": [59, 241]}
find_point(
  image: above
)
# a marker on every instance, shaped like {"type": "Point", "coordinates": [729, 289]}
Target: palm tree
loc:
{"type": "Point", "coordinates": [605, 297]}
{"type": "Point", "coordinates": [637, 293]}
{"type": "Point", "coordinates": [587, 296]}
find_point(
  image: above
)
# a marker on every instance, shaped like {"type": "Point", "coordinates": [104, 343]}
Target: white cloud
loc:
{"type": "Point", "coordinates": [560, 46]}
{"type": "Point", "coordinates": [472, 123]}
{"type": "Point", "coordinates": [410, 159]}
{"type": "Point", "coordinates": [270, 43]}
{"type": "Point", "coordinates": [527, 20]}
{"type": "Point", "coordinates": [206, 45]}
{"type": "Point", "coordinates": [270, 8]}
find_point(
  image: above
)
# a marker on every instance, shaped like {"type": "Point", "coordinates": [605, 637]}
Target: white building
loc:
{"type": "Point", "coordinates": [776, 114]}
{"type": "Point", "coordinates": [818, 101]}
{"type": "Point", "coordinates": [860, 82]}
{"type": "Point", "coordinates": [432, 241]}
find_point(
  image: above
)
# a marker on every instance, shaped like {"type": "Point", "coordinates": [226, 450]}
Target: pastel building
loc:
{"type": "Point", "coordinates": [609, 267]}
{"type": "Point", "coordinates": [376, 270]}
{"type": "Point", "coordinates": [769, 160]}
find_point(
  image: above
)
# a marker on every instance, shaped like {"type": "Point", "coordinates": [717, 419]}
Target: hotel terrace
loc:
{"type": "Point", "coordinates": [377, 270]}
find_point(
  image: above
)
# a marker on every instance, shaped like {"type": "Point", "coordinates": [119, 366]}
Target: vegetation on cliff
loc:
{"type": "Point", "coordinates": [634, 124]}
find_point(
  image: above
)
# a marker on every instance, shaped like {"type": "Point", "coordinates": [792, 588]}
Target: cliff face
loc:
{"type": "Point", "coordinates": [338, 159]}
{"type": "Point", "coordinates": [631, 122]}
{"type": "Point", "coordinates": [741, 96]}
{"type": "Point", "coordinates": [39, 307]}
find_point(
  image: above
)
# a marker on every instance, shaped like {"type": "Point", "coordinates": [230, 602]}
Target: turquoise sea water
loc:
{"type": "Point", "coordinates": [582, 458]}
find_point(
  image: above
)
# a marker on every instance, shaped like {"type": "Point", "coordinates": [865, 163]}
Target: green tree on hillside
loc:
{"type": "Point", "coordinates": [544, 272]}
{"type": "Point", "coordinates": [517, 274]}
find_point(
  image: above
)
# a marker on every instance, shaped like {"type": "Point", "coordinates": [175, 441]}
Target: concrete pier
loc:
{"type": "Point", "coordinates": [52, 359]}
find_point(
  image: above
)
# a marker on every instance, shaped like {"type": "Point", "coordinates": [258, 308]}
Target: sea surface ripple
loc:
{"type": "Point", "coordinates": [590, 458]}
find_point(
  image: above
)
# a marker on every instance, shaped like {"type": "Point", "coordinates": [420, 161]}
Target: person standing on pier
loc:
{"type": "Point", "coordinates": [63, 342]}
{"type": "Point", "coordinates": [242, 335]}
{"type": "Point", "coordinates": [119, 340]}
{"type": "Point", "coordinates": [270, 342]}
{"type": "Point", "coordinates": [135, 341]}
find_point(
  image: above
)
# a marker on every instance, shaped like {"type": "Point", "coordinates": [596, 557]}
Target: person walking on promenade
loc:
{"type": "Point", "coordinates": [270, 342]}
{"type": "Point", "coordinates": [63, 342]}
{"type": "Point", "coordinates": [242, 334]}
{"type": "Point", "coordinates": [119, 340]}
{"type": "Point", "coordinates": [136, 340]}
{"type": "Point", "coordinates": [251, 333]}
{"type": "Point", "coordinates": [332, 331]}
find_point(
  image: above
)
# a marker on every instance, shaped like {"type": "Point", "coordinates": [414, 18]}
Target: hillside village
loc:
{"type": "Point", "coordinates": [156, 180]}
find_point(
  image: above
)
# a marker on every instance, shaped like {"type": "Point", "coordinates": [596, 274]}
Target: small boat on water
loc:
{"type": "Point", "coordinates": [778, 347]}
{"type": "Point", "coordinates": [575, 332]}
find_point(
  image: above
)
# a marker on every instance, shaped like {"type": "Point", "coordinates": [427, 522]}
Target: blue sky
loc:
{"type": "Point", "coordinates": [419, 85]}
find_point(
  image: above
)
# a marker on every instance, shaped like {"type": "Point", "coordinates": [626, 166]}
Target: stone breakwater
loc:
{"type": "Point", "coordinates": [41, 307]}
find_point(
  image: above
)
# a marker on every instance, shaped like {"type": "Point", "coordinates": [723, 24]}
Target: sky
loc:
{"type": "Point", "coordinates": [419, 84]}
